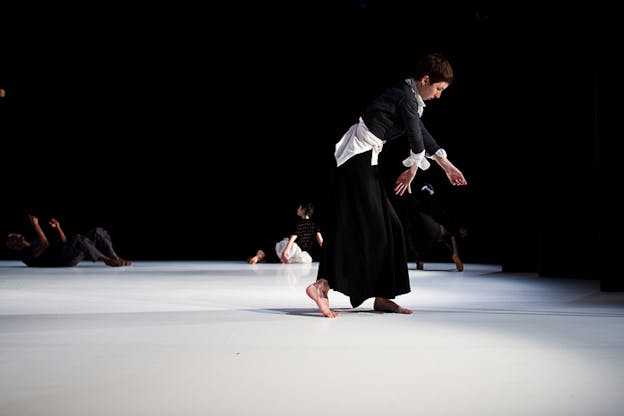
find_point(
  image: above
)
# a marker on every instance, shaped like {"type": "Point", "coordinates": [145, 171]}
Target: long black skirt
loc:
{"type": "Point", "coordinates": [363, 252]}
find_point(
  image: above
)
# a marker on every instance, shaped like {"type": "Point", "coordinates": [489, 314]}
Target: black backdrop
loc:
{"type": "Point", "coordinates": [192, 132]}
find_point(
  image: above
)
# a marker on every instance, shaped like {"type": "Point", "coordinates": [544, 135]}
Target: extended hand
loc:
{"type": "Point", "coordinates": [404, 182]}
{"type": "Point", "coordinates": [456, 177]}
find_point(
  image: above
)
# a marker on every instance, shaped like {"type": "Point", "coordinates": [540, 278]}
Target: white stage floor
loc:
{"type": "Point", "coordinates": [229, 338]}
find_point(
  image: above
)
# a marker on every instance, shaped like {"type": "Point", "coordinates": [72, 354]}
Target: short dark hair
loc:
{"type": "Point", "coordinates": [308, 208]}
{"type": "Point", "coordinates": [436, 66]}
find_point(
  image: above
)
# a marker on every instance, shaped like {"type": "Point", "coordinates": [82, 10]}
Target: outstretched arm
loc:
{"type": "Point", "coordinates": [54, 223]}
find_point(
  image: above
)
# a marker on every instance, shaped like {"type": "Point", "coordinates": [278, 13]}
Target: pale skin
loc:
{"type": "Point", "coordinates": [319, 290]}
{"type": "Point", "coordinates": [318, 293]}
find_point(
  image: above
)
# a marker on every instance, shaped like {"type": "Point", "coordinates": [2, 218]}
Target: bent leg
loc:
{"type": "Point", "coordinates": [90, 248]}
{"type": "Point", "coordinates": [84, 246]}
{"type": "Point", "coordinates": [455, 255]}
{"type": "Point", "coordinates": [451, 243]}
{"type": "Point", "coordinates": [101, 241]}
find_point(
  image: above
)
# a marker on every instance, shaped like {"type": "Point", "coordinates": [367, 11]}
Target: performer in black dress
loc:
{"type": "Point", "coordinates": [364, 253]}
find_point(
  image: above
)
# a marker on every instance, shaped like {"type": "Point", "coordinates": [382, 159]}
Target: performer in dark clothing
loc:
{"type": "Point", "coordinates": [364, 253]}
{"type": "Point", "coordinates": [59, 251]}
{"type": "Point", "coordinates": [428, 223]}
{"type": "Point", "coordinates": [298, 246]}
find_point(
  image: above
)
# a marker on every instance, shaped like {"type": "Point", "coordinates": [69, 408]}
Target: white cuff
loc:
{"type": "Point", "coordinates": [441, 152]}
{"type": "Point", "coordinates": [419, 159]}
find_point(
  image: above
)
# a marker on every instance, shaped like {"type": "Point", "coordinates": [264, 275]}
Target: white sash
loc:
{"type": "Point", "coordinates": [358, 139]}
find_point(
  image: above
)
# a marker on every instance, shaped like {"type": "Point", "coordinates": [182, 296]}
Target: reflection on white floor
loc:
{"type": "Point", "coordinates": [229, 338]}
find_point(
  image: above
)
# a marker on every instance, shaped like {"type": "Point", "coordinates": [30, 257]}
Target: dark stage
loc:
{"type": "Point", "coordinates": [192, 134]}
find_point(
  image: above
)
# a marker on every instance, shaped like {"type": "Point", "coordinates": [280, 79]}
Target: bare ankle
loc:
{"type": "Point", "coordinates": [323, 286]}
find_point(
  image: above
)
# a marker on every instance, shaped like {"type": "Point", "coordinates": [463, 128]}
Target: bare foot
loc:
{"type": "Point", "coordinates": [116, 262]}
{"type": "Point", "coordinates": [386, 305]}
{"type": "Point", "coordinates": [257, 258]}
{"type": "Point", "coordinates": [458, 263]}
{"type": "Point", "coordinates": [318, 293]}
